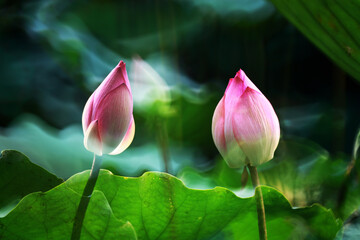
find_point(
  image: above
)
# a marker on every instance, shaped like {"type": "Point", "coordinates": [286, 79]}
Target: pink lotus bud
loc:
{"type": "Point", "coordinates": [245, 127]}
{"type": "Point", "coordinates": [107, 120]}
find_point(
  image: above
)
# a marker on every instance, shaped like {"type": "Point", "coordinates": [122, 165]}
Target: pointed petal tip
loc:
{"type": "Point", "coordinates": [248, 90]}
{"type": "Point", "coordinates": [237, 85]}
{"type": "Point", "coordinates": [121, 69]}
{"type": "Point", "coordinates": [122, 64]}
{"type": "Point", "coordinates": [240, 75]}
{"type": "Point", "coordinates": [242, 78]}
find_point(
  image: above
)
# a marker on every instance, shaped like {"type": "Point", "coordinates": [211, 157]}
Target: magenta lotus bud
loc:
{"type": "Point", "coordinates": [245, 127]}
{"type": "Point", "coordinates": [107, 120]}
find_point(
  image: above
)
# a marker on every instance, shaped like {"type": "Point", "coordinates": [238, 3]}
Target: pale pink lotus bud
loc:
{"type": "Point", "coordinates": [245, 127]}
{"type": "Point", "coordinates": [148, 86]}
{"type": "Point", "coordinates": [107, 120]}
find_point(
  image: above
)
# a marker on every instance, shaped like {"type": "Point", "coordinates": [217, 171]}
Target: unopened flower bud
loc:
{"type": "Point", "coordinates": [245, 127]}
{"type": "Point", "coordinates": [107, 120]}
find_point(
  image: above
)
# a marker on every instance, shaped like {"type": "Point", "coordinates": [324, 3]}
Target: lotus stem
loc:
{"type": "Point", "coordinates": [85, 198]}
{"type": "Point", "coordinates": [164, 145]}
{"type": "Point", "coordinates": [259, 202]}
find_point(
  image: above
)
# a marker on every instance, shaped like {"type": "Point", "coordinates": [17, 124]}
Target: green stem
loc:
{"type": "Point", "coordinates": [85, 198]}
{"type": "Point", "coordinates": [259, 203]}
{"type": "Point", "coordinates": [164, 145]}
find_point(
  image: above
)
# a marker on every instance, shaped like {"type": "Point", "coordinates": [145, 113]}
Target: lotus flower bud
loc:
{"type": "Point", "coordinates": [107, 120]}
{"type": "Point", "coordinates": [149, 86]}
{"type": "Point", "coordinates": [245, 127]}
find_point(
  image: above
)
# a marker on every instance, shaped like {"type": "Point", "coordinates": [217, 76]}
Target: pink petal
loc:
{"type": "Point", "coordinates": [92, 140]}
{"type": "Point", "coordinates": [238, 84]}
{"type": "Point", "coordinates": [256, 126]}
{"type": "Point", "coordinates": [114, 114]}
{"type": "Point", "coordinates": [233, 93]}
{"type": "Point", "coordinates": [113, 80]}
{"type": "Point", "coordinates": [240, 75]}
{"type": "Point", "coordinates": [218, 127]}
{"type": "Point", "coordinates": [224, 138]}
{"type": "Point", "coordinates": [125, 143]}
{"type": "Point", "coordinates": [87, 113]}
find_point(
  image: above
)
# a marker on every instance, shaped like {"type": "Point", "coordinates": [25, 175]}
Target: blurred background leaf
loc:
{"type": "Point", "coordinates": [19, 177]}
{"type": "Point", "coordinates": [297, 172]}
{"type": "Point", "coordinates": [333, 26]}
{"type": "Point", "coordinates": [356, 146]}
{"type": "Point", "coordinates": [351, 228]}
{"type": "Point", "coordinates": [62, 152]}
{"type": "Point", "coordinates": [349, 197]}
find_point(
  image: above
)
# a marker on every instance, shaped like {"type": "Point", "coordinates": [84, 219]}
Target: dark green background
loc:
{"type": "Point", "coordinates": [51, 52]}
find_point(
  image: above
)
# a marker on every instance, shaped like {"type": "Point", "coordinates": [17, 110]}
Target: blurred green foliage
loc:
{"type": "Point", "coordinates": [332, 25]}
{"type": "Point", "coordinates": [66, 51]}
